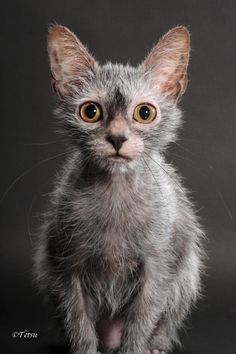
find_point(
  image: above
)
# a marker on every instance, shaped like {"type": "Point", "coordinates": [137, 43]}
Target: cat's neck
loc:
{"type": "Point", "coordinates": [82, 174]}
{"type": "Point", "coordinates": [93, 174]}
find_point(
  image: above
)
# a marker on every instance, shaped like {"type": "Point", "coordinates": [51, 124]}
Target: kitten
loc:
{"type": "Point", "coordinates": [120, 249]}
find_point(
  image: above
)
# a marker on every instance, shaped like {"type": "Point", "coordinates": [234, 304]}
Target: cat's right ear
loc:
{"type": "Point", "coordinates": [70, 61]}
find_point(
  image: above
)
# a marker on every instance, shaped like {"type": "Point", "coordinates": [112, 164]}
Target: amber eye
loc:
{"type": "Point", "coordinates": [145, 113]}
{"type": "Point", "coordinates": [90, 112]}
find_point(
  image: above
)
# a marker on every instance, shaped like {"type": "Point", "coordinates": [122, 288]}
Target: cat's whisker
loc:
{"type": "Point", "coordinates": [164, 171]}
{"type": "Point", "coordinates": [183, 148]}
{"type": "Point", "coordinates": [200, 172]}
{"type": "Point", "coordinates": [143, 159]}
{"type": "Point", "coordinates": [23, 174]}
{"type": "Point", "coordinates": [44, 143]}
{"type": "Point", "coordinates": [157, 184]}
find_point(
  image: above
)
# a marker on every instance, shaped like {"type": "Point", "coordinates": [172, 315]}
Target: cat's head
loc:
{"type": "Point", "coordinates": [117, 114]}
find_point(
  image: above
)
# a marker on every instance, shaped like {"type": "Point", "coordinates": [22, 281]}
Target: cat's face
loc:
{"type": "Point", "coordinates": [116, 114]}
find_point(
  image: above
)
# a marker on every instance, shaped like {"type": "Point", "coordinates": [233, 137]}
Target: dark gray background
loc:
{"type": "Point", "coordinates": [120, 31]}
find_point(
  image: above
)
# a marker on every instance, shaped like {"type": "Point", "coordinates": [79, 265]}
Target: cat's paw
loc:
{"type": "Point", "coordinates": [155, 351]}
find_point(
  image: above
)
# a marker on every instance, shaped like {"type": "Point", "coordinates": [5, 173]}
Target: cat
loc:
{"type": "Point", "coordinates": [120, 249]}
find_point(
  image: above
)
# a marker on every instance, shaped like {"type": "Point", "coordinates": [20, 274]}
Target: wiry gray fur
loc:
{"type": "Point", "coordinates": [119, 241]}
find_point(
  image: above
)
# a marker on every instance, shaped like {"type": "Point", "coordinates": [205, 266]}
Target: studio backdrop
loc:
{"type": "Point", "coordinates": [31, 152]}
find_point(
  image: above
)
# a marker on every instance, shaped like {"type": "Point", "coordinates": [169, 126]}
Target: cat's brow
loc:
{"type": "Point", "coordinates": [117, 102]}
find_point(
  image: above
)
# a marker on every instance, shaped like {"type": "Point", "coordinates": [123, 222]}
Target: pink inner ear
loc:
{"type": "Point", "coordinates": [69, 60]}
{"type": "Point", "coordinates": [59, 77]}
{"type": "Point", "coordinates": [167, 63]}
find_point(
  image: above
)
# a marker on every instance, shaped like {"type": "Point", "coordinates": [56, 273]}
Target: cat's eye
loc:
{"type": "Point", "coordinates": [90, 112]}
{"type": "Point", "coordinates": [145, 113]}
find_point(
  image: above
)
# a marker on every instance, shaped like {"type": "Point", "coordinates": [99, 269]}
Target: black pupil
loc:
{"type": "Point", "coordinates": [144, 112]}
{"type": "Point", "coordinates": [91, 111]}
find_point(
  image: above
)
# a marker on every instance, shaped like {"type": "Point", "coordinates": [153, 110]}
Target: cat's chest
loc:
{"type": "Point", "coordinates": [113, 276]}
{"type": "Point", "coordinates": [115, 208]}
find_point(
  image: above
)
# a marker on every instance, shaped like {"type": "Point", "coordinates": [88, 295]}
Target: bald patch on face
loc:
{"type": "Point", "coordinates": [118, 126]}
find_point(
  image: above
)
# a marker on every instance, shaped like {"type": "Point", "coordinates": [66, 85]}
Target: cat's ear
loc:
{"type": "Point", "coordinates": [168, 61]}
{"type": "Point", "coordinates": [70, 61]}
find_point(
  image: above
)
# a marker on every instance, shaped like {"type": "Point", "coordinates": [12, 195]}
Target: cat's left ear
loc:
{"type": "Point", "coordinates": [70, 62]}
{"type": "Point", "coordinates": [167, 63]}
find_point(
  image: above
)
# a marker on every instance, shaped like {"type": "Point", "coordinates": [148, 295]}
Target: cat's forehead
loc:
{"type": "Point", "coordinates": [123, 75]}
{"type": "Point", "coordinates": [119, 85]}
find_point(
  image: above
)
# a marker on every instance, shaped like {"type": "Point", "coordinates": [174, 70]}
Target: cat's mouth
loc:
{"type": "Point", "coordinates": [118, 158]}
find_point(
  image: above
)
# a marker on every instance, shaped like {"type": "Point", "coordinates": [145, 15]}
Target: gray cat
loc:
{"type": "Point", "coordinates": [119, 252]}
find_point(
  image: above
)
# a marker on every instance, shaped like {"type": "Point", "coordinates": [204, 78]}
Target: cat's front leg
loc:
{"type": "Point", "coordinates": [79, 327]}
{"type": "Point", "coordinates": [143, 314]}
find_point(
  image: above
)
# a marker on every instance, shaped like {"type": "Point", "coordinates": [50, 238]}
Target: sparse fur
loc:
{"type": "Point", "coordinates": [120, 241]}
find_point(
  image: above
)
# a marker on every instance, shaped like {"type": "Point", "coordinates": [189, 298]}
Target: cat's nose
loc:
{"type": "Point", "coordinates": [116, 141]}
